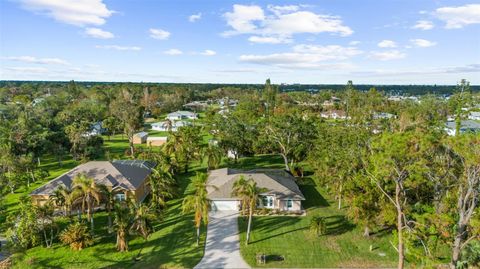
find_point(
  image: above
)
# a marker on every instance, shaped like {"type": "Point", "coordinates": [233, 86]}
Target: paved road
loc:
{"type": "Point", "coordinates": [222, 248]}
{"type": "Point", "coordinates": [3, 243]}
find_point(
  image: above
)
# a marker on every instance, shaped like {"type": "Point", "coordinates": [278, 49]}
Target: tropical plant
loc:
{"type": "Point", "coordinates": [77, 236]}
{"type": "Point", "coordinates": [142, 220]}
{"type": "Point", "coordinates": [47, 223]}
{"type": "Point", "coordinates": [253, 193]}
{"type": "Point", "coordinates": [90, 195]}
{"type": "Point", "coordinates": [161, 187]}
{"type": "Point", "coordinates": [65, 198]}
{"type": "Point", "coordinates": [240, 190]}
{"type": "Point", "coordinates": [318, 226]}
{"type": "Point", "coordinates": [213, 154]}
{"type": "Point", "coordinates": [198, 202]}
{"type": "Point", "coordinates": [122, 223]}
{"type": "Point", "coordinates": [108, 198]}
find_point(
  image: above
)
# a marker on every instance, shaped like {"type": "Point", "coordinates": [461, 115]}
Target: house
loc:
{"type": "Point", "coordinates": [127, 178]}
{"type": "Point", "coordinates": [196, 105]}
{"type": "Point", "coordinates": [181, 115]}
{"type": "Point", "coordinates": [156, 140]}
{"type": "Point", "coordinates": [383, 115]}
{"type": "Point", "coordinates": [334, 114]}
{"type": "Point", "coordinates": [282, 191]}
{"type": "Point", "coordinates": [474, 115]}
{"type": "Point", "coordinates": [95, 129]}
{"type": "Point", "coordinates": [140, 138]}
{"type": "Point", "coordinates": [163, 125]}
{"type": "Point", "coordinates": [466, 126]}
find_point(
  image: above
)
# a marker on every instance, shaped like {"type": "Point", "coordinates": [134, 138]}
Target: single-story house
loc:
{"type": "Point", "coordinates": [156, 140]}
{"type": "Point", "coordinates": [95, 129]}
{"type": "Point", "coordinates": [474, 115]}
{"type": "Point", "coordinates": [140, 138]}
{"type": "Point", "coordinates": [383, 115]}
{"type": "Point", "coordinates": [334, 114]}
{"type": "Point", "coordinates": [181, 115]}
{"type": "Point", "coordinates": [196, 105]}
{"type": "Point", "coordinates": [163, 125]}
{"type": "Point", "coordinates": [466, 126]}
{"type": "Point", "coordinates": [128, 178]}
{"type": "Point", "coordinates": [282, 191]}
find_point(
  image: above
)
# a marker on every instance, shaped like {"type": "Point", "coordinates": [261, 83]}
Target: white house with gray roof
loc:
{"type": "Point", "coordinates": [282, 191]}
{"type": "Point", "coordinates": [181, 115]}
{"type": "Point", "coordinates": [466, 126]}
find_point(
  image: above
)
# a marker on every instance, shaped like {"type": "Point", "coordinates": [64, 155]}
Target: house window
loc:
{"type": "Point", "coordinates": [267, 201]}
{"type": "Point", "coordinates": [289, 204]}
{"type": "Point", "coordinates": [120, 197]}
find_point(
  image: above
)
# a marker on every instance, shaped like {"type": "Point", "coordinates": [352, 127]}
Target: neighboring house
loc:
{"type": "Point", "coordinates": [334, 100]}
{"type": "Point", "coordinates": [196, 105]}
{"type": "Point", "coordinates": [383, 115]}
{"type": "Point", "coordinates": [128, 178]}
{"type": "Point", "coordinates": [140, 138]}
{"type": "Point", "coordinates": [227, 102]}
{"type": "Point", "coordinates": [181, 115]}
{"type": "Point", "coordinates": [156, 140]}
{"type": "Point", "coordinates": [466, 126]}
{"type": "Point", "coordinates": [95, 129]}
{"type": "Point", "coordinates": [282, 191]}
{"type": "Point", "coordinates": [474, 115]}
{"type": "Point", "coordinates": [163, 125]}
{"type": "Point", "coordinates": [334, 114]}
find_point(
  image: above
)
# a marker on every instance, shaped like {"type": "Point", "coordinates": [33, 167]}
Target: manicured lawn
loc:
{"type": "Point", "coordinates": [171, 246]}
{"type": "Point", "coordinates": [343, 246]}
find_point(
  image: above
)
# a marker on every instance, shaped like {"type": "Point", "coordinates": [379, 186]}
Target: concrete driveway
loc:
{"type": "Point", "coordinates": [222, 248]}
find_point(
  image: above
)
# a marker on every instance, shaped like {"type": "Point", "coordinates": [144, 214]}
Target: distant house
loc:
{"type": "Point", "coordinates": [95, 129]}
{"type": "Point", "coordinates": [227, 102]}
{"type": "Point", "coordinates": [334, 100]}
{"type": "Point", "coordinates": [156, 140]}
{"type": "Point", "coordinates": [334, 114]}
{"type": "Point", "coordinates": [474, 115]}
{"type": "Point", "coordinates": [127, 178]}
{"type": "Point", "coordinates": [466, 126]}
{"type": "Point", "coordinates": [181, 115]}
{"type": "Point", "coordinates": [282, 193]}
{"type": "Point", "coordinates": [163, 125]}
{"type": "Point", "coordinates": [383, 115]}
{"type": "Point", "coordinates": [196, 105]}
{"type": "Point", "coordinates": [140, 138]}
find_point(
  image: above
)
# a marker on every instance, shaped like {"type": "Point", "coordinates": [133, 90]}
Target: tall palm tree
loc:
{"type": "Point", "coordinates": [90, 194]}
{"type": "Point", "coordinates": [142, 218]}
{"type": "Point", "coordinates": [252, 192]}
{"type": "Point", "coordinates": [161, 186]}
{"type": "Point", "coordinates": [198, 202]}
{"type": "Point", "coordinates": [108, 197]}
{"type": "Point", "coordinates": [240, 190]}
{"type": "Point", "coordinates": [213, 154]}
{"type": "Point", "coordinates": [122, 222]}
{"type": "Point", "coordinates": [65, 198]}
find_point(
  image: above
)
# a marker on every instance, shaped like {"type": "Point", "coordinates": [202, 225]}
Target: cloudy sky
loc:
{"type": "Point", "coordinates": [380, 42]}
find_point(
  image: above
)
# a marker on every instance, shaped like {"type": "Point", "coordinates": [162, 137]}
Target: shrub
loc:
{"type": "Point", "coordinates": [318, 226]}
{"type": "Point", "coordinates": [77, 236]}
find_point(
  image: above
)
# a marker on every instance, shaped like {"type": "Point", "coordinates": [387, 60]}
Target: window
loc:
{"type": "Point", "coordinates": [289, 204]}
{"type": "Point", "coordinates": [267, 201]}
{"type": "Point", "coordinates": [120, 197]}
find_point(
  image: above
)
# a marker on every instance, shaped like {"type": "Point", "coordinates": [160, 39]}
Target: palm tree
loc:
{"type": "Point", "coordinates": [161, 186]}
{"type": "Point", "coordinates": [47, 223]}
{"type": "Point", "coordinates": [214, 155]}
{"type": "Point", "coordinates": [168, 124]}
{"type": "Point", "coordinates": [142, 218]}
{"type": "Point", "coordinates": [90, 194]}
{"type": "Point", "coordinates": [318, 226]}
{"type": "Point", "coordinates": [65, 198]}
{"type": "Point", "coordinates": [108, 196]}
{"type": "Point", "coordinates": [240, 190]}
{"type": "Point", "coordinates": [122, 222]}
{"type": "Point", "coordinates": [198, 202]}
{"type": "Point", "coordinates": [252, 192]}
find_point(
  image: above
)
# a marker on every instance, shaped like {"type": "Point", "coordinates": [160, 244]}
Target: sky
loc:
{"type": "Point", "coordinates": [308, 42]}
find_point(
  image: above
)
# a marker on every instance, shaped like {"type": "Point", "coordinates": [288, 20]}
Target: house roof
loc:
{"type": "Point", "coordinates": [141, 134]}
{"type": "Point", "coordinates": [181, 113]}
{"type": "Point", "coordinates": [278, 182]}
{"type": "Point", "coordinates": [127, 174]}
{"type": "Point", "coordinates": [465, 124]}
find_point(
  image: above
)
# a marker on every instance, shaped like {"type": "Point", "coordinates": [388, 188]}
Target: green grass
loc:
{"type": "Point", "coordinates": [288, 236]}
{"type": "Point", "coordinates": [171, 246]}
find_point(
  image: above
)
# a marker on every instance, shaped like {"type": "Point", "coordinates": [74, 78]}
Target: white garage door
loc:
{"type": "Point", "coordinates": [225, 205]}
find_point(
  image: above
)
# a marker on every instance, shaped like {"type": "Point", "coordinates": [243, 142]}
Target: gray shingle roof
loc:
{"type": "Point", "coordinates": [278, 182]}
{"type": "Point", "coordinates": [128, 174]}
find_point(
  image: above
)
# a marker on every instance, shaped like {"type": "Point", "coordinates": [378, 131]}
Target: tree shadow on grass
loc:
{"type": "Point", "coordinates": [258, 162]}
{"type": "Point", "coordinates": [338, 224]}
{"type": "Point", "coordinates": [313, 198]}
{"type": "Point", "coordinates": [270, 226]}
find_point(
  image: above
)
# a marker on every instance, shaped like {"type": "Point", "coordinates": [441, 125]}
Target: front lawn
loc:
{"type": "Point", "coordinates": [287, 236]}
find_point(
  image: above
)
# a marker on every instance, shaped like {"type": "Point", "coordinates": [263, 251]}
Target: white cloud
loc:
{"type": "Point", "coordinates": [423, 43]}
{"type": "Point", "coordinates": [423, 25]}
{"type": "Point", "coordinates": [354, 43]}
{"type": "Point", "coordinates": [173, 52]}
{"type": "Point", "coordinates": [159, 34]}
{"type": "Point", "coordinates": [78, 12]}
{"type": "Point", "coordinates": [305, 56]}
{"type": "Point", "coordinates": [117, 47]}
{"type": "Point", "coordinates": [458, 17]}
{"type": "Point", "coordinates": [282, 22]}
{"type": "Point", "coordinates": [387, 44]}
{"type": "Point", "coordinates": [387, 55]}
{"type": "Point", "coordinates": [195, 17]}
{"type": "Point", "coordinates": [98, 33]}
{"type": "Point", "coordinates": [35, 70]}
{"type": "Point", "coordinates": [269, 39]}
{"type": "Point", "coordinates": [34, 60]}
{"type": "Point", "coordinates": [208, 53]}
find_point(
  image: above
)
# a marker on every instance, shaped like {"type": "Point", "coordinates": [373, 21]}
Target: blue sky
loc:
{"type": "Point", "coordinates": [379, 42]}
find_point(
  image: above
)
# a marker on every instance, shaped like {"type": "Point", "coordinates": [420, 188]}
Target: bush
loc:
{"type": "Point", "coordinates": [318, 226]}
{"type": "Point", "coordinates": [77, 236]}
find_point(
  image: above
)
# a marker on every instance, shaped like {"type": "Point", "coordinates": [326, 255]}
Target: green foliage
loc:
{"type": "Point", "coordinates": [24, 231]}
{"type": "Point", "coordinates": [318, 226]}
{"type": "Point", "coordinates": [77, 236]}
